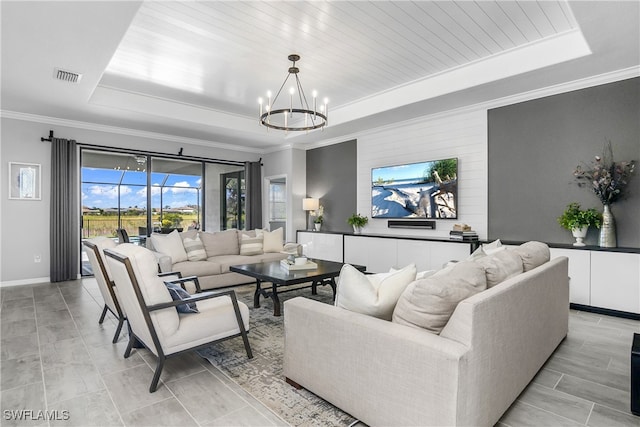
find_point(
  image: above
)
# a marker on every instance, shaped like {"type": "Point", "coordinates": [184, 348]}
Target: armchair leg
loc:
{"type": "Point", "coordinates": [104, 313]}
{"type": "Point", "coordinates": [118, 329]}
{"type": "Point", "coordinates": [132, 340]}
{"type": "Point", "coordinates": [247, 346]}
{"type": "Point", "coordinates": [156, 375]}
{"type": "Point", "coordinates": [243, 332]}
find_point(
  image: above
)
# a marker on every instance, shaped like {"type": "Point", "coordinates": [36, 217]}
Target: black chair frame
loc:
{"type": "Point", "coordinates": [147, 309]}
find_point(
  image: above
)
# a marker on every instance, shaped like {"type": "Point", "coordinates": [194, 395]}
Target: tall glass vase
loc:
{"type": "Point", "coordinates": [608, 229]}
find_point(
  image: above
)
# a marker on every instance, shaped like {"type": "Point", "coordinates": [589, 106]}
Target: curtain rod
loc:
{"type": "Point", "coordinates": [154, 153]}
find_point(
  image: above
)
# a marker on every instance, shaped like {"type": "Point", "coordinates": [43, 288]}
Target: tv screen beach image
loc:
{"type": "Point", "coordinates": [415, 190]}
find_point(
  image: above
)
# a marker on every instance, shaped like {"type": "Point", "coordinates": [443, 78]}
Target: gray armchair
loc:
{"type": "Point", "coordinates": [152, 314]}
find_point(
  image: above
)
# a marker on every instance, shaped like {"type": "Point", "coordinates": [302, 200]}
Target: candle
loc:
{"type": "Point", "coordinates": [291, 92]}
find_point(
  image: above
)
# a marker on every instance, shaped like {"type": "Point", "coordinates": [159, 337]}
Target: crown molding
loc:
{"type": "Point", "coordinates": [124, 131]}
{"type": "Point", "coordinates": [592, 81]}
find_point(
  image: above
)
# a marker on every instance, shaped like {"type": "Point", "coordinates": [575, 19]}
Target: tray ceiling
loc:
{"type": "Point", "coordinates": [198, 68]}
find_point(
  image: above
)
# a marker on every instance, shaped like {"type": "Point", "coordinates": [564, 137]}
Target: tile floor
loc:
{"type": "Point", "coordinates": [55, 358]}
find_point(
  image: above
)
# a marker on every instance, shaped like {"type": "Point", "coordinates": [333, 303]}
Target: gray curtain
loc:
{"type": "Point", "coordinates": [253, 197]}
{"type": "Point", "coordinates": [64, 239]}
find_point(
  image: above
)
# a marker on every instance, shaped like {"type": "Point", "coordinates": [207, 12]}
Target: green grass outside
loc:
{"type": "Point", "coordinates": [98, 225]}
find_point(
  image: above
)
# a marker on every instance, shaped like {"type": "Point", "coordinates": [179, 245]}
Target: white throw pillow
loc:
{"type": "Point", "coordinates": [419, 275]}
{"type": "Point", "coordinates": [194, 248]}
{"type": "Point", "coordinates": [250, 245]}
{"type": "Point", "coordinates": [430, 302]}
{"type": "Point", "coordinates": [493, 247]}
{"type": "Point", "coordinates": [533, 254]}
{"type": "Point", "coordinates": [372, 294]}
{"type": "Point", "coordinates": [170, 244]}
{"type": "Point", "coordinates": [273, 240]}
{"type": "Point", "coordinates": [501, 266]}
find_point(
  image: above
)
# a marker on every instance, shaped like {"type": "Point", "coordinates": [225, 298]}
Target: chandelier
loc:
{"type": "Point", "coordinates": [294, 118]}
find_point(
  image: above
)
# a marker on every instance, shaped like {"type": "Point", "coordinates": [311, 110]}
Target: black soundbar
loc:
{"type": "Point", "coordinates": [412, 223]}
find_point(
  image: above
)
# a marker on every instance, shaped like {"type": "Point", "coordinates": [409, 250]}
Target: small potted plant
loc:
{"type": "Point", "coordinates": [578, 221]}
{"type": "Point", "coordinates": [319, 218]}
{"type": "Point", "coordinates": [357, 221]}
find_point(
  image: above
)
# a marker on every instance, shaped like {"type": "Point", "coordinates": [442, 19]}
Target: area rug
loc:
{"type": "Point", "coordinates": [262, 376]}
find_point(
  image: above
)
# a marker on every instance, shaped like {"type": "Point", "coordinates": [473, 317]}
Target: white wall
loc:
{"type": "Point", "coordinates": [461, 135]}
{"type": "Point", "coordinates": [24, 225]}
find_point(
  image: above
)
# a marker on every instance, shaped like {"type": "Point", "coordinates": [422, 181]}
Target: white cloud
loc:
{"type": "Point", "coordinates": [110, 192]}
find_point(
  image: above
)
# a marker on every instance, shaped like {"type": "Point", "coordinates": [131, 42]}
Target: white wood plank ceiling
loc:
{"type": "Point", "coordinates": [224, 55]}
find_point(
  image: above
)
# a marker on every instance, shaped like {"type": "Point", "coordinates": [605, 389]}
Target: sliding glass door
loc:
{"type": "Point", "coordinates": [232, 200]}
{"type": "Point", "coordinates": [176, 195]}
{"type": "Point", "coordinates": [114, 195]}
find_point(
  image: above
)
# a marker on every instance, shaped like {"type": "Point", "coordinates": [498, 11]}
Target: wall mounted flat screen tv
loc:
{"type": "Point", "coordinates": [415, 190]}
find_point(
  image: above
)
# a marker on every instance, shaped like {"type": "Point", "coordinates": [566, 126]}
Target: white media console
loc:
{"type": "Point", "coordinates": [607, 279]}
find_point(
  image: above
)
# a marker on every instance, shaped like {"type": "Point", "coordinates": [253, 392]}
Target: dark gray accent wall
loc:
{"type": "Point", "coordinates": [331, 177]}
{"type": "Point", "coordinates": [534, 148]}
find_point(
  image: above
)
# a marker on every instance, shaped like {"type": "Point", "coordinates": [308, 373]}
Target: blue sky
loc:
{"type": "Point", "coordinates": [180, 190]}
{"type": "Point", "coordinates": [413, 170]}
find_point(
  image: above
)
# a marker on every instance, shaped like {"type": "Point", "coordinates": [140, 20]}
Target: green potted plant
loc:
{"type": "Point", "coordinates": [579, 220]}
{"type": "Point", "coordinates": [319, 218]}
{"type": "Point", "coordinates": [357, 221]}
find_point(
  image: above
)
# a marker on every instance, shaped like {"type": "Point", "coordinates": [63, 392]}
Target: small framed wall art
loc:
{"type": "Point", "coordinates": [24, 181]}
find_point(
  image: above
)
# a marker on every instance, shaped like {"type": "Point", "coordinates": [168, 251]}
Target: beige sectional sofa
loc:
{"type": "Point", "coordinates": [391, 373]}
{"type": "Point", "coordinates": [208, 255]}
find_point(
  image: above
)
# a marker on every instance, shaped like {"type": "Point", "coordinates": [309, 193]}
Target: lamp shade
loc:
{"type": "Point", "coordinates": [310, 204]}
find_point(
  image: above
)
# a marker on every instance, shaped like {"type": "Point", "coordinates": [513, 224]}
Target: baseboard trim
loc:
{"type": "Point", "coordinates": [605, 311]}
{"type": "Point", "coordinates": [24, 282]}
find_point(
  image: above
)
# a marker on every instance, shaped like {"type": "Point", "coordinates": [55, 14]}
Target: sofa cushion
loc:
{"type": "Point", "coordinates": [533, 254]}
{"type": "Point", "coordinates": [430, 302]}
{"type": "Point", "coordinates": [372, 294]}
{"type": "Point", "coordinates": [220, 243]}
{"type": "Point", "coordinates": [170, 244]}
{"type": "Point", "coordinates": [270, 256]}
{"type": "Point", "coordinates": [194, 248]}
{"type": "Point", "coordinates": [225, 261]}
{"type": "Point", "coordinates": [197, 268]}
{"type": "Point", "coordinates": [500, 266]}
{"type": "Point", "coordinates": [273, 240]}
{"type": "Point", "coordinates": [251, 245]}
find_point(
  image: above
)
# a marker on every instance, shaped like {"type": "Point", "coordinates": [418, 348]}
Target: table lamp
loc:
{"type": "Point", "coordinates": [310, 204]}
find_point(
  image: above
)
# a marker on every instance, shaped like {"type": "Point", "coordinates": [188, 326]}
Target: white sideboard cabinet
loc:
{"type": "Point", "coordinates": [579, 274]}
{"type": "Point", "coordinates": [380, 253]}
{"type": "Point", "coordinates": [327, 246]}
{"type": "Point", "coordinates": [615, 281]}
{"type": "Point", "coordinates": [603, 279]}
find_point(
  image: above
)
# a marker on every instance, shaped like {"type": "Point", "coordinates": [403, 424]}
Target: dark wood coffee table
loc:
{"type": "Point", "coordinates": [279, 277]}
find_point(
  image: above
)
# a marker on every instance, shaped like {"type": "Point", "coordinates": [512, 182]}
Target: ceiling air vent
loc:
{"type": "Point", "coordinates": [67, 76]}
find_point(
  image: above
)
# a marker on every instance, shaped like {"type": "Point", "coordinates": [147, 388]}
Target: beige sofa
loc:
{"type": "Point", "coordinates": [386, 373]}
{"type": "Point", "coordinates": [210, 259]}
